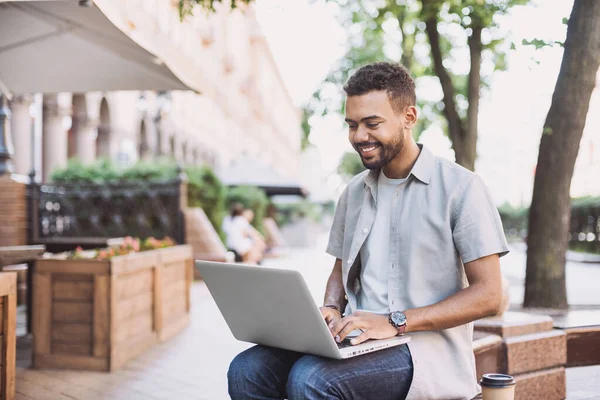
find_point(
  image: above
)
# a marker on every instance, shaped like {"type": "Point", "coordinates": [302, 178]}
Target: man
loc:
{"type": "Point", "coordinates": [417, 242]}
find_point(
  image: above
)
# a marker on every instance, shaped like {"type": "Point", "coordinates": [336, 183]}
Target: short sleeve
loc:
{"type": "Point", "coordinates": [477, 229]}
{"type": "Point", "coordinates": [335, 247]}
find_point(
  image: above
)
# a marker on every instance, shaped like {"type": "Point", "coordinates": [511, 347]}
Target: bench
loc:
{"type": "Point", "coordinates": [526, 346]}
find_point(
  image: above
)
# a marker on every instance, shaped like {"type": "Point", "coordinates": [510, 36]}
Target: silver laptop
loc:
{"type": "Point", "coordinates": [274, 307]}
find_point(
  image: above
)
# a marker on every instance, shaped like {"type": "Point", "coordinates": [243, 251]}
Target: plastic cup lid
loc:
{"type": "Point", "coordinates": [497, 380]}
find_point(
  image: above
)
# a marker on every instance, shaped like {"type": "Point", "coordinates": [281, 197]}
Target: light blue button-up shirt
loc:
{"type": "Point", "coordinates": [442, 217]}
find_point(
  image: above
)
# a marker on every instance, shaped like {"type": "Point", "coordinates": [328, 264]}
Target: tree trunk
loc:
{"type": "Point", "coordinates": [463, 135]}
{"type": "Point", "coordinates": [545, 284]}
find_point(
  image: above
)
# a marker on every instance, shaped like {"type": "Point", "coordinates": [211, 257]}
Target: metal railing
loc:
{"type": "Point", "coordinates": [85, 214]}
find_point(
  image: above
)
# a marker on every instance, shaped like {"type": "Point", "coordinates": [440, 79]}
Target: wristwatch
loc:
{"type": "Point", "coordinates": [398, 321]}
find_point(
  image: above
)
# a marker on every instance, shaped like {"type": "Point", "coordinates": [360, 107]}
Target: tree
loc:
{"type": "Point", "coordinates": [186, 7]}
{"type": "Point", "coordinates": [350, 165]}
{"type": "Point", "coordinates": [549, 214]}
{"type": "Point", "coordinates": [433, 35]}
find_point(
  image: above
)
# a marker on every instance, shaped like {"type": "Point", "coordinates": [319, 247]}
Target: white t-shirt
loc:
{"type": "Point", "coordinates": [374, 255]}
{"type": "Point", "coordinates": [237, 238]}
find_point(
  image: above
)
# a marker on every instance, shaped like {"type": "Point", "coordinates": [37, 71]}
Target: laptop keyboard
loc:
{"type": "Point", "coordinates": [345, 343]}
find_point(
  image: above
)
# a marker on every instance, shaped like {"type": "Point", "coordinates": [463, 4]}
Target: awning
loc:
{"type": "Point", "coordinates": [247, 171]}
{"type": "Point", "coordinates": [60, 46]}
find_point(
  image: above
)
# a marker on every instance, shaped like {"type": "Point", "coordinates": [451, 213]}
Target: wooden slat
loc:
{"type": "Point", "coordinates": [9, 343]}
{"type": "Point", "coordinates": [1, 350]}
{"type": "Point", "coordinates": [72, 290]}
{"type": "Point", "coordinates": [139, 325]}
{"type": "Point", "coordinates": [174, 327]}
{"type": "Point", "coordinates": [83, 267]}
{"type": "Point", "coordinates": [72, 333]}
{"type": "Point", "coordinates": [132, 284]}
{"type": "Point", "coordinates": [123, 352]}
{"type": "Point", "coordinates": [158, 296]}
{"type": "Point", "coordinates": [42, 313]}
{"type": "Point", "coordinates": [72, 362]}
{"type": "Point", "coordinates": [174, 273]}
{"type": "Point", "coordinates": [72, 277]}
{"type": "Point", "coordinates": [175, 254]}
{"type": "Point", "coordinates": [8, 283]}
{"type": "Point", "coordinates": [174, 289]}
{"type": "Point", "coordinates": [101, 316]}
{"type": "Point", "coordinates": [71, 312]}
{"type": "Point", "coordinates": [76, 349]}
{"type": "Point", "coordinates": [2, 313]}
{"type": "Point", "coordinates": [135, 262]}
{"type": "Point", "coordinates": [142, 303]}
{"type": "Point", "coordinates": [174, 308]}
{"type": "Point", "coordinates": [188, 286]}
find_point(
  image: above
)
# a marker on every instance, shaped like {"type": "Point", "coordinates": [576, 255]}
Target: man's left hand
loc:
{"type": "Point", "coordinates": [374, 326]}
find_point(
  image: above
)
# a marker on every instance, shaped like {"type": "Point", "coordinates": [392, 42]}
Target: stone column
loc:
{"type": "Point", "coordinates": [54, 136]}
{"type": "Point", "coordinates": [86, 141]}
{"type": "Point", "coordinates": [22, 127]}
{"type": "Point", "coordinates": [6, 148]}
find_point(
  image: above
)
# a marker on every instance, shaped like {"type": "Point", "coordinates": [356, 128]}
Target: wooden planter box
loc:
{"type": "Point", "coordinates": [8, 330]}
{"type": "Point", "coordinates": [97, 315]}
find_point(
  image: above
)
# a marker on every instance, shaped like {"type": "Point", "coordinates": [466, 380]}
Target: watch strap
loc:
{"type": "Point", "coordinates": [399, 328]}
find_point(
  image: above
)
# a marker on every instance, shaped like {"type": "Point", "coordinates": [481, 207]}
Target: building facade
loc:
{"type": "Point", "coordinates": [241, 107]}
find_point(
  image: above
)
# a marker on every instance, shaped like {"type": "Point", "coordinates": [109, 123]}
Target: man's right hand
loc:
{"type": "Point", "coordinates": [330, 315]}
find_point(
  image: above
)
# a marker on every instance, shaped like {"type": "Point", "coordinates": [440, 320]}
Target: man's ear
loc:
{"type": "Point", "coordinates": [411, 117]}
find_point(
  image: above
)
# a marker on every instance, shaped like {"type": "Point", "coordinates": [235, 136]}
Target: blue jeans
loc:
{"type": "Point", "coordinates": [267, 373]}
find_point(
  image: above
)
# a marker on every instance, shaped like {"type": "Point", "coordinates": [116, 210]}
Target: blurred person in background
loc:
{"type": "Point", "coordinates": [239, 237]}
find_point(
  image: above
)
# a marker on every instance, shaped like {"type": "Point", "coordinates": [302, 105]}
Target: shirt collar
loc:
{"type": "Point", "coordinates": [421, 170]}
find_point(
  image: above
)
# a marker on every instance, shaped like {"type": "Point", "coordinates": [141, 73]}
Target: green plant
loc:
{"type": "Point", "coordinates": [100, 171]}
{"type": "Point", "coordinates": [206, 191]}
{"type": "Point", "coordinates": [253, 198]}
{"type": "Point", "coordinates": [150, 170]}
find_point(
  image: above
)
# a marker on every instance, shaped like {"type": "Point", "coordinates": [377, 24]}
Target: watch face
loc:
{"type": "Point", "coordinates": [398, 318]}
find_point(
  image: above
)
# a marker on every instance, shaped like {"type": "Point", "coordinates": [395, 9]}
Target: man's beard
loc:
{"type": "Point", "coordinates": [386, 154]}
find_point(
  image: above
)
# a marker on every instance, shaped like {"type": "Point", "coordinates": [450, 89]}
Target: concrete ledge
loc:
{"type": "Point", "coordinates": [535, 352]}
{"type": "Point", "coordinates": [489, 353]}
{"type": "Point", "coordinates": [549, 384]}
{"type": "Point", "coordinates": [513, 323]}
{"type": "Point", "coordinates": [583, 336]}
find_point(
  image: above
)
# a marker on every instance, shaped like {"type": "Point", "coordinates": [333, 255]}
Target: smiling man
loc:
{"type": "Point", "coordinates": [417, 241]}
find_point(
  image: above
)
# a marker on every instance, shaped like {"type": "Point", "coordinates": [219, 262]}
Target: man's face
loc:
{"type": "Point", "coordinates": [375, 131]}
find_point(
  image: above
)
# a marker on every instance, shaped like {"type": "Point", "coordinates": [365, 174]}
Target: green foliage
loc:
{"type": "Point", "coordinates": [186, 7]}
{"type": "Point", "coordinates": [253, 198]}
{"type": "Point", "coordinates": [376, 26]}
{"type": "Point", "coordinates": [514, 219]}
{"type": "Point", "coordinates": [290, 212]}
{"type": "Point", "coordinates": [99, 172]}
{"type": "Point", "coordinates": [350, 165]}
{"type": "Point", "coordinates": [104, 171]}
{"type": "Point", "coordinates": [206, 191]}
{"type": "Point", "coordinates": [150, 170]}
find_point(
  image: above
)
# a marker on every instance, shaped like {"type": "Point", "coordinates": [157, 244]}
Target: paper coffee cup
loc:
{"type": "Point", "coordinates": [497, 387]}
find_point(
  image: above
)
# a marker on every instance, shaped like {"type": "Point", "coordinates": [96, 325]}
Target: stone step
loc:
{"type": "Point", "coordinates": [583, 336]}
{"type": "Point", "coordinates": [514, 324]}
{"type": "Point", "coordinates": [489, 353]}
{"type": "Point", "coordinates": [534, 352]}
{"type": "Point", "coordinates": [548, 384]}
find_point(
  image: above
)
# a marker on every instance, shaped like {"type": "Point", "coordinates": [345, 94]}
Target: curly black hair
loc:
{"type": "Point", "coordinates": [394, 79]}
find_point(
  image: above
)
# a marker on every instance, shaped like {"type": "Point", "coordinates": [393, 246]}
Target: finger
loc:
{"type": "Point", "coordinates": [338, 326]}
{"type": "Point", "coordinates": [352, 325]}
{"type": "Point", "coordinates": [363, 337]}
